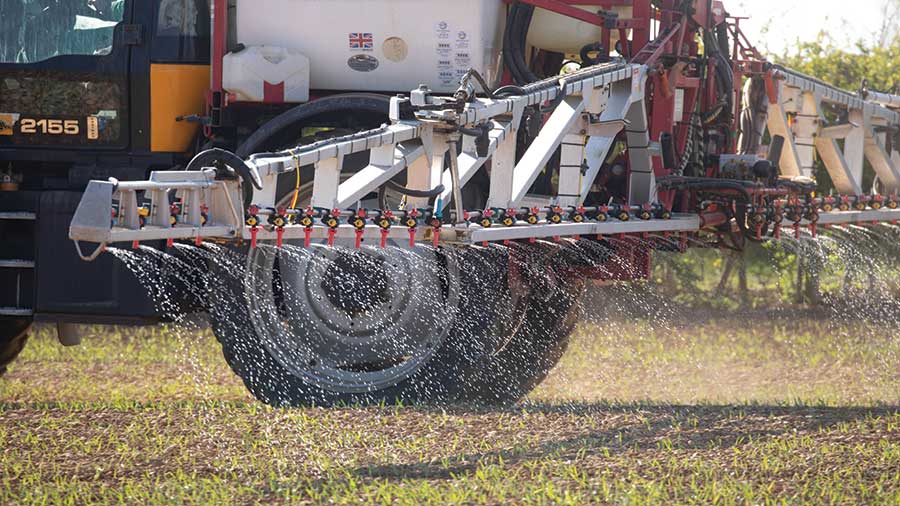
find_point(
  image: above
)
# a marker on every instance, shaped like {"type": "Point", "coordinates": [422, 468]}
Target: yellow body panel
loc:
{"type": "Point", "coordinates": [6, 123]}
{"type": "Point", "coordinates": [176, 90]}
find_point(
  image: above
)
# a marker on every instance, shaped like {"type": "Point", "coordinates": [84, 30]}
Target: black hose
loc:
{"type": "Point", "coordinates": [585, 54]}
{"type": "Point", "coordinates": [507, 44]}
{"type": "Point", "coordinates": [667, 146]}
{"type": "Point", "coordinates": [474, 73]}
{"type": "Point", "coordinates": [723, 67]}
{"type": "Point", "coordinates": [725, 77]}
{"type": "Point", "coordinates": [775, 149]}
{"type": "Point", "coordinates": [515, 42]}
{"type": "Point", "coordinates": [796, 186]}
{"type": "Point", "coordinates": [712, 115]}
{"type": "Point", "coordinates": [298, 150]}
{"type": "Point", "coordinates": [519, 68]}
{"type": "Point", "coordinates": [560, 96]}
{"type": "Point", "coordinates": [509, 90]}
{"type": "Point", "coordinates": [220, 158]}
{"type": "Point", "coordinates": [705, 184]}
{"type": "Point", "coordinates": [722, 37]}
{"type": "Point", "coordinates": [409, 192]}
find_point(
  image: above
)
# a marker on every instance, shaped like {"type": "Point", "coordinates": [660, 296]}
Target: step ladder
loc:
{"type": "Point", "coordinates": [21, 271]}
{"type": "Point", "coordinates": [652, 51]}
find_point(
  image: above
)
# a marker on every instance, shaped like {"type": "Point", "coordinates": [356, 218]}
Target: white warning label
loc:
{"type": "Point", "coordinates": [442, 30]}
{"type": "Point", "coordinates": [453, 55]}
{"type": "Point", "coordinates": [637, 85]}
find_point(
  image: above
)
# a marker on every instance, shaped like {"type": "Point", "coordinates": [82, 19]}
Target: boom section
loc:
{"type": "Point", "coordinates": [435, 144]}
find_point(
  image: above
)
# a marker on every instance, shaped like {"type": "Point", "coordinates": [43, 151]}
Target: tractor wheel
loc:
{"type": "Point", "coordinates": [325, 326]}
{"type": "Point", "coordinates": [339, 325]}
{"type": "Point", "coordinates": [549, 309]}
{"type": "Point", "coordinates": [13, 334]}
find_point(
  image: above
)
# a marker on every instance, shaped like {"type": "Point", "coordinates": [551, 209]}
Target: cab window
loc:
{"type": "Point", "coordinates": [35, 30]}
{"type": "Point", "coordinates": [182, 31]}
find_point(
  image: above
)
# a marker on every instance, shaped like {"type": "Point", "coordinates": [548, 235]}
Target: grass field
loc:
{"type": "Point", "coordinates": [698, 407]}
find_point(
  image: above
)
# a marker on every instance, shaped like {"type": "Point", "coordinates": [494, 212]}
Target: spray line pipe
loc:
{"type": "Point", "coordinates": [374, 213]}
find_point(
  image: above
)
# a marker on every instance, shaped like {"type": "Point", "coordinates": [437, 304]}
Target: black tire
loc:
{"type": "Point", "coordinates": [550, 311]}
{"type": "Point", "coordinates": [354, 111]}
{"type": "Point", "coordinates": [370, 109]}
{"type": "Point", "coordinates": [13, 335]}
{"type": "Point", "coordinates": [473, 334]}
{"type": "Point", "coordinates": [443, 378]}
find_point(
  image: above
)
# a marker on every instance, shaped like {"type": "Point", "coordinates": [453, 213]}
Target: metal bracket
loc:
{"type": "Point", "coordinates": [93, 256]}
{"type": "Point", "coordinates": [132, 35]}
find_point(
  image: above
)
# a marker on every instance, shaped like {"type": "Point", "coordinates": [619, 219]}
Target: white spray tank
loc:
{"type": "Point", "coordinates": [555, 32]}
{"type": "Point", "coordinates": [376, 45]}
{"type": "Point", "coordinates": [382, 45]}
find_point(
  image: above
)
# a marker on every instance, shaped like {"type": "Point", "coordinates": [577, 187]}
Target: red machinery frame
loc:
{"type": "Point", "coordinates": [659, 35]}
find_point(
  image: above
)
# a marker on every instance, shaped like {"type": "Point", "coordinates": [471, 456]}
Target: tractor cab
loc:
{"type": "Point", "coordinates": [79, 75]}
{"type": "Point", "coordinates": [88, 89]}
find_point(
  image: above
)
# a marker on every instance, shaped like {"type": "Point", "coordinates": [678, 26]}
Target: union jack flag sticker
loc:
{"type": "Point", "coordinates": [362, 41]}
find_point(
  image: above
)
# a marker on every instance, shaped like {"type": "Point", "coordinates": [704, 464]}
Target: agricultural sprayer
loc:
{"type": "Point", "coordinates": [416, 191]}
